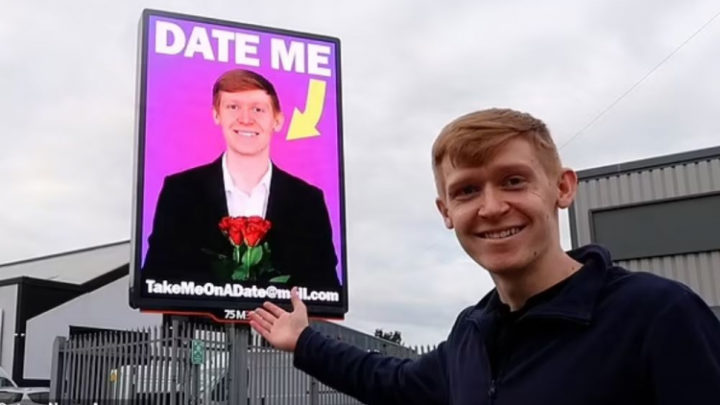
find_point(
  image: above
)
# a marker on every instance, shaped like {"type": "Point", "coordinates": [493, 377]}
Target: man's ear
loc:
{"type": "Point", "coordinates": [567, 186]}
{"type": "Point", "coordinates": [216, 116]}
{"type": "Point", "coordinates": [279, 120]}
{"type": "Point", "coordinates": [440, 204]}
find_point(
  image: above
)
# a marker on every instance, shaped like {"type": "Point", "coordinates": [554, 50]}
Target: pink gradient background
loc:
{"type": "Point", "coordinates": [180, 132]}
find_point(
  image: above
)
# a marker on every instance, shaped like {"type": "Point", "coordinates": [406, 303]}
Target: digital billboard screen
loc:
{"type": "Point", "coordinates": [239, 186]}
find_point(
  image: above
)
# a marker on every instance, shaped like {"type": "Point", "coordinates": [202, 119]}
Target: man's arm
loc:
{"type": "Point", "coordinates": [682, 349]}
{"type": "Point", "coordinates": [373, 378]}
{"type": "Point", "coordinates": [370, 377]}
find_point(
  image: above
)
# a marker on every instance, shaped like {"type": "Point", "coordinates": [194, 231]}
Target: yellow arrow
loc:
{"type": "Point", "coordinates": [304, 124]}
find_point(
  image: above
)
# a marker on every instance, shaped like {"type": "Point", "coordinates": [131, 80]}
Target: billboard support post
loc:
{"type": "Point", "coordinates": [238, 336]}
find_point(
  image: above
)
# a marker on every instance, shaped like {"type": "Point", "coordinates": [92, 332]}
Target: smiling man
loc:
{"type": "Point", "coordinates": [186, 243]}
{"type": "Point", "coordinates": [559, 328]}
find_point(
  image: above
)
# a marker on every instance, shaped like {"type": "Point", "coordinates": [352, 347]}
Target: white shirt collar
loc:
{"type": "Point", "coordinates": [230, 184]}
{"type": "Point", "coordinates": [240, 203]}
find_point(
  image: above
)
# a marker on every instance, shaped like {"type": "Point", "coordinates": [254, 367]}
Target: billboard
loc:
{"type": "Point", "coordinates": [239, 186]}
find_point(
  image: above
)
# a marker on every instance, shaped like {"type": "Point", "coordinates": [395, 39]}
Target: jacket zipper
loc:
{"type": "Point", "coordinates": [502, 361]}
{"type": "Point", "coordinates": [491, 391]}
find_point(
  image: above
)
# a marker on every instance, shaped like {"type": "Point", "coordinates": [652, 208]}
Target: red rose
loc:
{"type": "Point", "coordinates": [235, 236]}
{"type": "Point", "coordinates": [250, 230]}
{"type": "Point", "coordinates": [238, 224]}
{"type": "Point", "coordinates": [255, 229]}
{"type": "Point", "coordinates": [225, 224]}
{"type": "Point", "coordinates": [233, 229]}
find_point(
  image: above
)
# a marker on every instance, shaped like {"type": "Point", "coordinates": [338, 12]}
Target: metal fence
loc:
{"type": "Point", "coordinates": [187, 363]}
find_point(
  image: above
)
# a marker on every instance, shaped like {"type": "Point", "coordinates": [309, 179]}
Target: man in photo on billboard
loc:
{"type": "Point", "coordinates": [558, 328]}
{"type": "Point", "coordinates": [186, 243]}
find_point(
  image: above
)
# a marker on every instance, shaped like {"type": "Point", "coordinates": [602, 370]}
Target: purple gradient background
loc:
{"type": "Point", "coordinates": [180, 132]}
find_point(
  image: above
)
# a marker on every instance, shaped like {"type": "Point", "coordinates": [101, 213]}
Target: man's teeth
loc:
{"type": "Point", "coordinates": [501, 234]}
{"type": "Point", "coordinates": [246, 133]}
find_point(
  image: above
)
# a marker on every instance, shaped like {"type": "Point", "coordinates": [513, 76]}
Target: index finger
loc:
{"type": "Point", "coordinates": [273, 309]}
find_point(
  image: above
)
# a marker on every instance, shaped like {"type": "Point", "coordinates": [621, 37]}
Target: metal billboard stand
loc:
{"type": "Point", "coordinates": [238, 336]}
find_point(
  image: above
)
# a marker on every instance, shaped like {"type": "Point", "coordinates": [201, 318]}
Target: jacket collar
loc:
{"type": "Point", "coordinates": [215, 188]}
{"type": "Point", "coordinates": [574, 302]}
{"type": "Point", "coordinates": [280, 195]}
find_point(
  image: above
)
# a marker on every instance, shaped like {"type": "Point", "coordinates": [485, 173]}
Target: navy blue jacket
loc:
{"type": "Point", "coordinates": [608, 336]}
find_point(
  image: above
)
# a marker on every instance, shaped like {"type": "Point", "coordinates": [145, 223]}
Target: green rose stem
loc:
{"type": "Point", "coordinates": [246, 265]}
{"type": "Point", "coordinates": [236, 254]}
{"type": "Point", "coordinates": [252, 257]}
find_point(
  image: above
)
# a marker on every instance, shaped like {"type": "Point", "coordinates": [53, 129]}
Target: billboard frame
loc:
{"type": "Point", "coordinates": [211, 308]}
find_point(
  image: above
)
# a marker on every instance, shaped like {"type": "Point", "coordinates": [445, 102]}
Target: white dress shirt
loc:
{"type": "Point", "coordinates": [239, 203]}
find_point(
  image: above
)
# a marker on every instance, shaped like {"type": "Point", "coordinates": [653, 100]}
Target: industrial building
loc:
{"type": "Point", "coordinates": [660, 215]}
{"type": "Point", "coordinates": [60, 295]}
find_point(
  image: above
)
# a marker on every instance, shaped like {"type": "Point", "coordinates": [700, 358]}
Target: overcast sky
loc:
{"type": "Point", "coordinates": [67, 75]}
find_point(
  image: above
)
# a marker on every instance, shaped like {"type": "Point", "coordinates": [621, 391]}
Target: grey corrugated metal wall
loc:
{"type": "Point", "coordinates": [700, 271]}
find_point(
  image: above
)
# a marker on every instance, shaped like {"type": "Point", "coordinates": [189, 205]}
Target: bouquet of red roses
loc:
{"type": "Point", "coordinates": [250, 258]}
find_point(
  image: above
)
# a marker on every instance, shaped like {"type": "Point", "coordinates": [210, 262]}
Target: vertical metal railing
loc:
{"type": "Point", "coordinates": [155, 366]}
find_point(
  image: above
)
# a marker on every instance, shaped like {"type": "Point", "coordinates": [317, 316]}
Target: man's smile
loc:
{"type": "Point", "coordinates": [501, 233]}
{"type": "Point", "coordinates": [245, 133]}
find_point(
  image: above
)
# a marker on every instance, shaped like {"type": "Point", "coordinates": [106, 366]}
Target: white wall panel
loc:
{"type": "Point", "coordinates": [106, 307]}
{"type": "Point", "coordinates": [8, 305]}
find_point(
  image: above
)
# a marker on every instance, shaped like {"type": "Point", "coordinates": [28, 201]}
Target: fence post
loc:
{"type": "Point", "coordinates": [56, 370]}
{"type": "Point", "coordinates": [314, 392]}
{"type": "Point", "coordinates": [175, 336]}
{"type": "Point", "coordinates": [194, 368]}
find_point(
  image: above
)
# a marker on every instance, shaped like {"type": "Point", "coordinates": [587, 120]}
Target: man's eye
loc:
{"type": "Point", "coordinates": [466, 191]}
{"type": "Point", "coordinates": [514, 182]}
{"type": "Point", "coordinates": [232, 107]}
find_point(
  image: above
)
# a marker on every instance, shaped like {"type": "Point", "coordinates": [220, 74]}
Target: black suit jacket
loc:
{"type": "Point", "coordinates": [185, 229]}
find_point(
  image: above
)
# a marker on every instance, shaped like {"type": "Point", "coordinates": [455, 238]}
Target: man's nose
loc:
{"type": "Point", "coordinates": [244, 116]}
{"type": "Point", "coordinates": [492, 204]}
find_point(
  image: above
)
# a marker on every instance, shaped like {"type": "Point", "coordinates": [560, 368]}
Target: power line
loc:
{"type": "Point", "coordinates": [642, 79]}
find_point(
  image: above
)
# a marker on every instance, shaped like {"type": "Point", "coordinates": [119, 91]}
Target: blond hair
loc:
{"type": "Point", "coordinates": [472, 139]}
{"type": "Point", "coordinates": [237, 80]}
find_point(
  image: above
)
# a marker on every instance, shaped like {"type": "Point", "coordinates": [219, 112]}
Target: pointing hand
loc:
{"type": "Point", "coordinates": [279, 327]}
